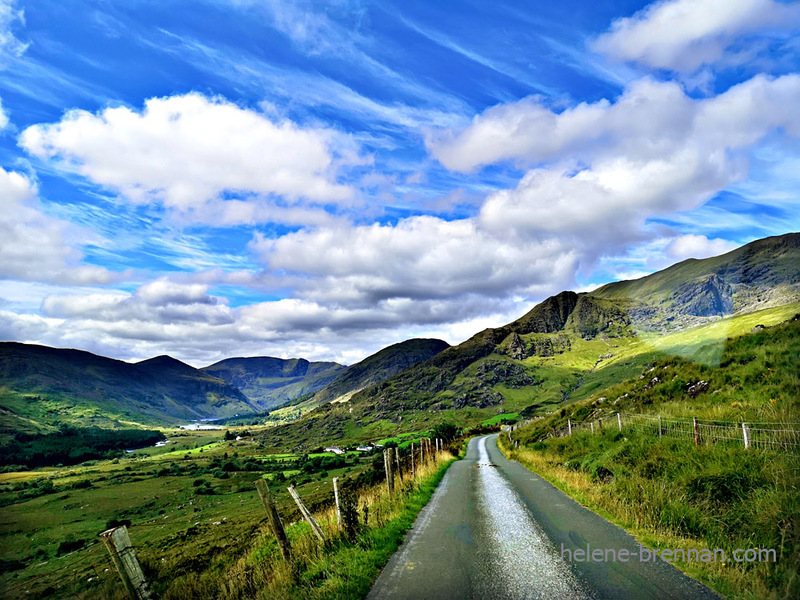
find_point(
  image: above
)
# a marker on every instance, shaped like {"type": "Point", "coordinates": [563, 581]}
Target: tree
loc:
{"type": "Point", "coordinates": [447, 432]}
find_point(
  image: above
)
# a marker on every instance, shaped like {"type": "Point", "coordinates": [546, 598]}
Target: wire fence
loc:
{"type": "Point", "coordinates": [776, 436]}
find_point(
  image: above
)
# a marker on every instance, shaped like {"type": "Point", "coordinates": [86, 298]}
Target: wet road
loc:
{"type": "Point", "coordinates": [494, 530]}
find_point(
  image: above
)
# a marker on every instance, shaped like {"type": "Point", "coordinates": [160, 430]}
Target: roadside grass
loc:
{"type": "Point", "coordinates": [672, 494]}
{"type": "Point", "coordinates": [338, 569]}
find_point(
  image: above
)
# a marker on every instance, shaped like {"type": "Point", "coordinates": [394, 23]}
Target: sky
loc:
{"type": "Point", "coordinates": [321, 179]}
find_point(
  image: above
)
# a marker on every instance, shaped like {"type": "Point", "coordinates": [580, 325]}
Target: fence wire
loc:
{"type": "Point", "coordinates": [778, 437]}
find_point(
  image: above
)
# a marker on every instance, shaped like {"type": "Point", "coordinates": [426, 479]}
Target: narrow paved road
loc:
{"type": "Point", "coordinates": [494, 530]}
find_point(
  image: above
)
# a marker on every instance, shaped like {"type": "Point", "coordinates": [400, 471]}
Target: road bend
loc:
{"type": "Point", "coordinates": [494, 530]}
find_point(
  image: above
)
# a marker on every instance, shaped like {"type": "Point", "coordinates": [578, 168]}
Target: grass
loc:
{"type": "Point", "coordinates": [671, 494]}
{"type": "Point", "coordinates": [170, 519]}
{"type": "Point", "coordinates": [339, 569]}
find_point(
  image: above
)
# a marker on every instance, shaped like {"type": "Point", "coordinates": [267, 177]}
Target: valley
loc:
{"type": "Point", "coordinates": [191, 505]}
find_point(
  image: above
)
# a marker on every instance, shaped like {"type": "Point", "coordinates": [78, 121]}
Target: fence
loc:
{"type": "Point", "coordinates": [779, 437]}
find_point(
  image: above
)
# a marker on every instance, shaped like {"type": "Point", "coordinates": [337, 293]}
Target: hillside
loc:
{"type": "Point", "coordinates": [268, 382]}
{"type": "Point", "coordinates": [571, 345]}
{"type": "Point", "coordinates": [759, 275]}
{"type": "Point", "coordinates": [380, 366]}
{"type": "Point", "coordinates": [653, 478]}
{"type": "Point", "coordinates": [41, 387]}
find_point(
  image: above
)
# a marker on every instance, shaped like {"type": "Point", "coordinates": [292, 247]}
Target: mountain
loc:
{"type": "Point", "coordinates": [759, 275]}
{"type": "Point", "coordinates": [268, 382]}
{"type": "Point", "coordinates": [380, 366]}
{"type": "Point", "coordinates": [41, 387]}
{"type": "Point", "coordinates": [572, 344]}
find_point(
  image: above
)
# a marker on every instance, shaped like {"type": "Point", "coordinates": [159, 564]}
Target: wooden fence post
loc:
{"type": "Point", "coordinates": [696, 431]}
{"type": "Point", "coordinates": [569, 426]}
{"type": "Point", "coordinates": [274, 518]}
{"type": "Point", "coordinates": [336, 498]}
{"type": "Point", "coordinates": [659, 426]}
{"type": "Point", "coordinates": [619, 421]}
{"type": "Point", "coordinates": [413, 471]}
{"type": "Point", "coordinates": [124, 558]}
{"type": "Point", "coordinates": [306, 514]}
{"type": "Point", "coordinates": [387, 465]}
{"type": "Point", "coordinates": [421, 452]}
{"type": "Point", "coordinates": [600, 424]}
{"type": "Point", "coordinates": [433, 453]}
{"type": "Point", "coordinates": [397, 460]}
{"type": "Point", "coordinates": [592, 426]}
{"type": "Point", "coordinates": [746, 435]}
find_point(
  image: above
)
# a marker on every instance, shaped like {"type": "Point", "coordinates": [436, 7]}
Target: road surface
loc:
{"type": "Point", "coordinates": [495, 530]}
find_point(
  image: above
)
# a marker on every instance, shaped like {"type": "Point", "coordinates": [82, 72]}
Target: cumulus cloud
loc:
{"type": "Point", "coordinates": [697, 246]}
{"type": "Point", "coordinates": [188, 151]}
{"type": "Point", "coordinates": [650, 119]}
{"type": "Point", "coordinates": [683, 35]}
{"type": "Point", "coordinates": [418, 258]}
{"type": "Point", "coordinates": [604, 169]}
{"type": "Point", "coordinates": [35, 246]}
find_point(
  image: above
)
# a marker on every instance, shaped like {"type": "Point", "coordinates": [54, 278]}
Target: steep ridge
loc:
{"type": "Point", "coordinates": [268, 382]}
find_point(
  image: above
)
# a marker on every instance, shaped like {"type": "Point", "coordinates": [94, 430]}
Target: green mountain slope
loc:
{"type": "Point", "coordinates": [572, 345]}
{"type": "Point", "coordinates": [41, 387]}
{"type": "Point", "coordinates": [269, 382]}
{"type": "Point", "coordinates": [380, 366]}
{"type": "Point", "coordinates": [761, 274]}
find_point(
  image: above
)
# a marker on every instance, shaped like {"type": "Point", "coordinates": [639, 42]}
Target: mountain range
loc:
{"type": "Point", "coordinates": [566, 343]}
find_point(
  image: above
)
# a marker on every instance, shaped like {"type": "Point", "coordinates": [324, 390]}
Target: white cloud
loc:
{"type": "Point", "coordinates": [10, 46]}
{"type": "Point", "coordinates": [418, 258]}
{"type": "Point", "coordinates": [3, 117]}
{"type": "Point", "coordinates": [697, 246]}
{"type": "Point", "coordinates": [683, 35]}
{"type": "Point", "coordinates": [187, 151]}
{"type": "Point", "coordinates": [608, 167]}
{"type": "Point", "coordinates": [650, 119]}
{"type": "Point", "coordinates": [35, 246]}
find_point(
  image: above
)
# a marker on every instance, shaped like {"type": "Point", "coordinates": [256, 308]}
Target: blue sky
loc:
{"type": "Point", "coordinates": [322, 179]}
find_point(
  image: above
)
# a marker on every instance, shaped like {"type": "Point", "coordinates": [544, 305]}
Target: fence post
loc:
{"type": "Point", "coordinates": [336, 498]}
{"type": "Point", "coordinates": [569, 426]}
{"type": "Point", "coordinates": [696, 431]}
{"type": "Point", "coordinates": [430, 447]}
{"type": "Point", "coordinates": [124, 558]}
{"type": "Point", "coordinates": [600, 424]}
{"type": "Point", "coordinates": [592, 426]}
{"type": "Point", "coordinates": [397, 460]}
{"type": "Point", "coordinates": [413, 470]}
{"type": "Point", "coordinates": [387, 465]}
{"type": "Point", "coordinates": [659, 426]}
{"type": "Point", "coordinates": [306, 513]}
{"type": "Point", "coordinates": [421, 452]}
{"type": "Point", "coordinates": [746, 434]}
{"type": "Point", "coordinates": [619, 421]}
{"type": "Point", "coordinates": [275, 519]}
